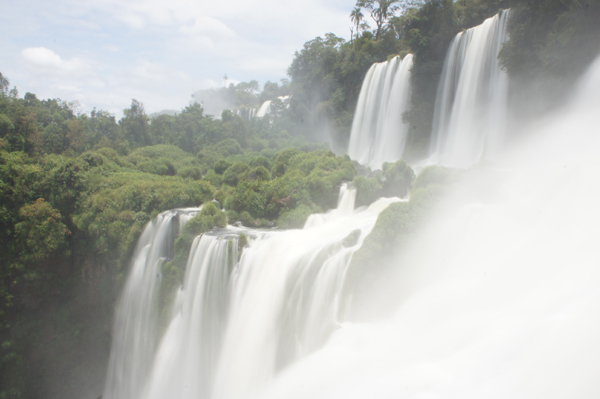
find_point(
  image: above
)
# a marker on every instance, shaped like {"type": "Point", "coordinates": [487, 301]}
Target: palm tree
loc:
{"type": "Point", "coordinates": [356, 16]}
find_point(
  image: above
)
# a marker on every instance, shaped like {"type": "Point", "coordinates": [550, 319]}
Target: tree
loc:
{"type": "Point", "coordinates": [356, 16]}
{"type": "Point", "coordinates": [4, 83]}
{"type": "Point", "coordinates": [380, 10]}
{"type": "Point", "coordinates": [135, 124]}
{"type": "Point", "coordinates": [53, 139]}
{"type": "Point", "coordinates": [41, 232]}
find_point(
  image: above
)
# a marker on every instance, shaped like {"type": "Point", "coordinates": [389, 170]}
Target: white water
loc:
{"type": "Point", "coordinates": [246, 113]}
{"type": "Point", "coordinates": [136, 330]}
{"type": "Point", "coordinates": [497, 298]}
{"type": "Point", "coordinates": [471, 104]}
{"type": "Point", "coordinates": [265, 108]}
{"type": "Point", "coordinates": [235, 322]}
{"type": "Point", "coordinates": [378, 134]}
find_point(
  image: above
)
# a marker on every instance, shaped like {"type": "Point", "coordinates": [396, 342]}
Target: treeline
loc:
{"type": "Point", "coordinates": [76, 190]}
{"type": "Point", "coordinates": [552, 41]}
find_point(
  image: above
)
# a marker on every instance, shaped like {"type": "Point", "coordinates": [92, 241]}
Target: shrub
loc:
{"type": "Point", "coordinates": [259, 173]}
{"type": "Point", "coordinates": [213, 178]}
{"type": "Point", "coordinates": [234, 173]}
{"type": "Point", "coordinates": [221, 166]}
{"type": "Point", "coordinates": [398, 178]}
{"type": "Point", "coordinates": [368, 189]}
{"type": "Point", "coordinates": [191, 172]}
{"type": "Point", "coordinates": [282, 161]}
{"type": "Point", "coordinates": [261, 161]}
{"type": "Point", "coordinates": [295, 218]}
{"type": "Point", "coordinates": [41, 231]}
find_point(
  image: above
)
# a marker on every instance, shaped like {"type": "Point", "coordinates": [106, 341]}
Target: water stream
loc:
{"type": "Point", "coordinates": [378, 133]}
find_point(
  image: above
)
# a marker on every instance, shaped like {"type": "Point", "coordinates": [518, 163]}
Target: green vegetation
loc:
{"type": "Point", "coordinates": [393, 181]}
{"type": "Point", "coordinates": [326, 75]}
{"type": "Point", "coordinates": [398, 223]}
{"type": "Point", "coordinates": [76, 189]}
{"type": "Point", "coordinates": [551, 43]}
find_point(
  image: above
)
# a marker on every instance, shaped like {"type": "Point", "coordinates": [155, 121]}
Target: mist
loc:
{"type": "Point", "coordinates": [412, 214]}
{"type": "Point", "coordinates": [493, 299]}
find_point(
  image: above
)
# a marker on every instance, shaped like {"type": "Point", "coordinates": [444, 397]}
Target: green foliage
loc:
{"type": "Point", "coordinates": [433, 175]}
{"type": "Point", "coordinates": [326, 78]}
{"type": "Point", "coordinates": [428, 31]}
{"type": "Point", "coordinates": [6, 125]}
{"type": "Point", "coordinates": [396, 225]}
{"type": "Point", "coordinates": [190, 172]}
{"type": "Point", "coordinates": [114, 213]}
{"type": "Point", "coordinates": [395, 181]}
{"type": "Point", "coordinates": [136, 125]}
{"type": "Point", "coordinates": [294, 219]}
{"type": "Point", "coordinates": [235, 173]}
{"type": "Point", "coordinates": [261, 161]}
{"type": "Point", "coordinates": [367, 189]}
{"type": "Point", "coordinates": [551, 37]}
{"type": "Point", "coordinates": [282, 161]}
{"type": "Point", "coordinates": [398, 178]}
{"type": "Point", "coordinates": [221, 166]}
{"type": "Point", "coordinates": [259, 173]}
{"type": "Point", "coordinates": [77, 189]}
{"type": "Point", "coordinates": [298, 178]}
{"type": "Point", "coordinates": [41, 231]}
{"type": "Point", "coordinates": [213, 178]}
{"type": "Point", "coordinates": [209, 217]}
{"type": "Point", "coordinates": [552, 42]}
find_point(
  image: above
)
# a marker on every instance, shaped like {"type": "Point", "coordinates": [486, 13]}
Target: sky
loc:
{"type": "Point", "coordinates": [104, 53]}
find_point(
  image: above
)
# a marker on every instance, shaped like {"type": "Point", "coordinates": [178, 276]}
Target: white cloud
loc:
{"type": "Point", "coordinates": [274, 64]}
{"type": "Point", "coordinates": [197, 43]}
{"type": "Point", "coordinates": [68, 88]}
{"type": "Point", "coordinates": [105, 52]}
{"type": "Point", "coordinates": [112, 47]}
{"type": "Point", "coordinates": [41, 58]}
{"type": "Point", "coordinates": [207, 26]}
{"type": "Point", "coordinates": [209, 84]}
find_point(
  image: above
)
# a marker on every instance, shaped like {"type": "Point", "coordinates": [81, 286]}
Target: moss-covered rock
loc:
{"type": "Point", "coordinates": [368, 189]}
{"type": "Point", "coordinates": [294, 219]}
{"type": "Point", "coordinates": [351, 239]}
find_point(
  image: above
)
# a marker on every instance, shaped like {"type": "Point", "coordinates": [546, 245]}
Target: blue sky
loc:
{"type": "Point", "coordinates": [103, 53]}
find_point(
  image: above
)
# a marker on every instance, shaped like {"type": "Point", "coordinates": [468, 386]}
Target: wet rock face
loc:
{"type": "Point", "coordinates": [351, 239]}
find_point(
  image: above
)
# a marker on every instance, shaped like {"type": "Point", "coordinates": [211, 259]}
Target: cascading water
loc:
{"type": "Point", "coordinates": [497, 298]}
{"type": "Point", "coordinates": [234, 325]}
{"type": "Point", "coordinates": [378, 134]}
{"type": "Point", "coordinates": [135, 336]}
{"type": "Point", "coordinates": [471, 103]}
{"type": "Point", "coordinates": [265, 108]}
{"type": "Point", "coordinates": [246, 113]}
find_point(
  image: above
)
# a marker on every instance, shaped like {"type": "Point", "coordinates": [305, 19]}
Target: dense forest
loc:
{"type": "Point", "coordinates": [76, 189]}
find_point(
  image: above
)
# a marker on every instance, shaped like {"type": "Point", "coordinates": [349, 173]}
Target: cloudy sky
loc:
{"type": "Point", "coordinates": [103, 53]}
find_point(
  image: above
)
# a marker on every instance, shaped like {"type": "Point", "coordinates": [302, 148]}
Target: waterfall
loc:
{"type": "Point", "coordinates": [265, 108]}
{"type": "Point", "coordinates": [499, 296]}
{"type": "Point", "coordinates": [378, 134]}
{"type": "Point", "coordinates": [136, 325]}
{"type": "Point", "coordinates": [246, 113]}
{"type": "Point", "coordinates": [470, 109]}
{"type": "Point", "coordinates": [234, 324]}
